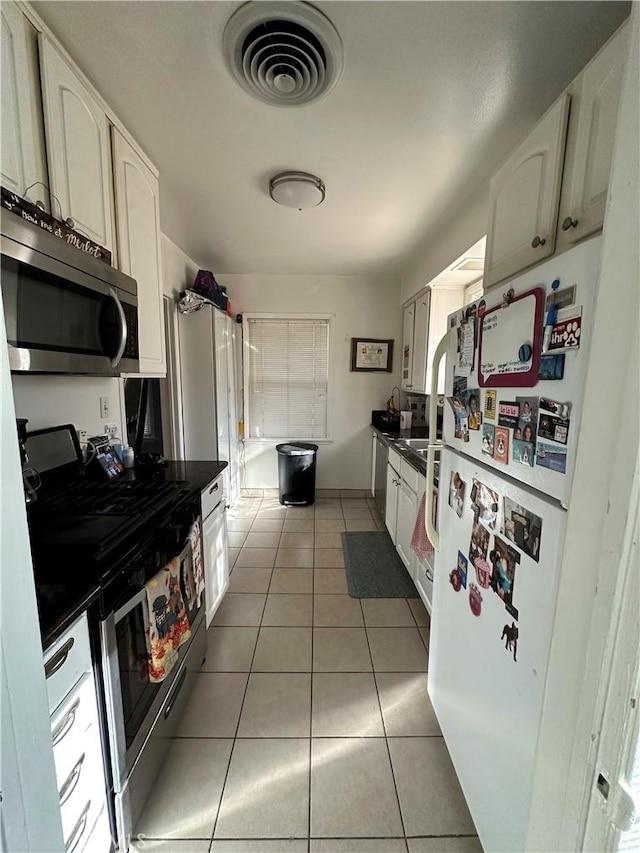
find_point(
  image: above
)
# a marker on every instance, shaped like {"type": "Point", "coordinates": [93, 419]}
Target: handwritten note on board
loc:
{"type": "Point", "coordinates": [505, 331]}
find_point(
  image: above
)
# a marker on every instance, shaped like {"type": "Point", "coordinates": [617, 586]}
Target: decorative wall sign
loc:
{"type": "Point", "coordinates": [371, 354]}
{"type": "Point", "coordinates": [507, 332]}
{"type": "Point", "coordinates": [31, 213]}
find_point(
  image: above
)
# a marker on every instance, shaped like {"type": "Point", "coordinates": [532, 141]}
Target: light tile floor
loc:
{"type": "Point", "coordinates": [310, 729]}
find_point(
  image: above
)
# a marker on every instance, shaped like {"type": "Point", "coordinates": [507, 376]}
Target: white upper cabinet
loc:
{"type": "Point", "coordinates": [420, 334]}
{"type": "Point", "coordinates": [138, 230]}
{"type": "Point", "coordinates": [78, 148]}
{"type": "Point", "coordinates": [594, 109]}
{"type": "Point", "coordinates": [523, 199]}
{"type": "Point", "coordinates": [407, 346]}
{"type": "Point", "coordinates": [22, 156]}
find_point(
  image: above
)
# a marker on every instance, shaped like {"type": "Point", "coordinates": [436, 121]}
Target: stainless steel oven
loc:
{"type": "Point", "coordinates": [141, 715]}
{"type": "Point", "coordinates": [65, 311]}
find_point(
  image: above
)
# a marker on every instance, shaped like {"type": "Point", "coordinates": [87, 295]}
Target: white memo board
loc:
{"type": "Point", "coordinates": [503, 332]}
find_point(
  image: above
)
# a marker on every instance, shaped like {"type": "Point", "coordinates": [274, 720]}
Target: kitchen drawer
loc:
{"type": "Point", "coordinates": [97, 839]}
{"type": "Point", "coordinates": [70, 727]}
{"type": "Point", "coordinates": [395, 460]}
{"type": "Point", "coordinates": [85, 787]}
{"type": "Point", "coordinates": [424, 582]}
{"type": "Point", "coordinates": [212, 495]}
{"type": "Point", "coordinates": [66, 661]}
{"type": "Point", "coordinates": [411, 477]}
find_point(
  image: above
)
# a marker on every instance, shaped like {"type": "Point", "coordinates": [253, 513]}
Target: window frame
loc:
{"type": "Point", "coordinates": [247, 316]}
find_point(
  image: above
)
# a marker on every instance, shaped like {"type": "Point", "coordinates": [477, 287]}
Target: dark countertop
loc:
{"type": "Point", "coordinates": [58, 606]}
{"type": "Point", "coordinates": [197, 474]}
{"type": "Point", "coordinates": [416, 460]}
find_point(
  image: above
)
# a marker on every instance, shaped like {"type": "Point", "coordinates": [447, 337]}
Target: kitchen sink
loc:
{"type": "Point", "coordinates": [416, 443]}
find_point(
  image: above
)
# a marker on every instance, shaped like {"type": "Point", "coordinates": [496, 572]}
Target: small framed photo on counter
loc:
{"type": "Point", "coordinates": [370, 354]}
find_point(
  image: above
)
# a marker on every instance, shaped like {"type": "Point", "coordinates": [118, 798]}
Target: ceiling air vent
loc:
{"type": "Point", "coordinates": [287, 54]}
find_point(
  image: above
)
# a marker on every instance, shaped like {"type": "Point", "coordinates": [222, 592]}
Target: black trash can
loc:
{"type": "Point", "coordinates": [297, 473]}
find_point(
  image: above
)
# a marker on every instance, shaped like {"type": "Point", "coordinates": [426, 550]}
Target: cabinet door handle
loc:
{"type": "Point", "coordinates": [78, 830]}
{"type": "Point", "coordinates": [66, 724]}
{"type": "Point", "coordinates": [537, 241]}
{"type": "Point", "coordinates": [54, 663]}
{"type": "Point", "coordinates": [214, 488]}
{"type": "Point", "coordinates": [568, 223]}
{"type": "Point", "coordinates": [71, 781]}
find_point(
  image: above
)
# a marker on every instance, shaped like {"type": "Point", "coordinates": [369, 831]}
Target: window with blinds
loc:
{"type": "Point", "coordinates": [287, 378]}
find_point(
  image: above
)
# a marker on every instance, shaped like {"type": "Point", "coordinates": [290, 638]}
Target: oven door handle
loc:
{"type": "Point", "coordinates": [139, 598]}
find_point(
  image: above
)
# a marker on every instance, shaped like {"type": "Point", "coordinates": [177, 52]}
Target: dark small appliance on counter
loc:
{"type": "Point", "coordinates": [385, 421]}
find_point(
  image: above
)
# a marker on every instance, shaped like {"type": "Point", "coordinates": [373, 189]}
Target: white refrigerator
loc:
{"type": "Point", "coordinates": [506, 466]}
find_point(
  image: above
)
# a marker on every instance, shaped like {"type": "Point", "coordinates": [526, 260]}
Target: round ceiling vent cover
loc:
{"type": "Point", "coordinates": [287, 53]}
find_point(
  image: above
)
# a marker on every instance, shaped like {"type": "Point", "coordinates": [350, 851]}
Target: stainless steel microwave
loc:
{"type": "Point", "coordinates": [65, 312]}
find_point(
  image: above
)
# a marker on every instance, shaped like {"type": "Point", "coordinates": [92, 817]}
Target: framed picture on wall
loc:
{"type": "Point", "coordinates": [371, 355]}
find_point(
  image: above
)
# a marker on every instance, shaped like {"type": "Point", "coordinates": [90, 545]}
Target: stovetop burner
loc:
{"type": "Point", "coordinates": [116, 497]}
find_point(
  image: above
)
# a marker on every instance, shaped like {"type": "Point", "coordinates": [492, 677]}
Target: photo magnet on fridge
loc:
{"type": "Point", "coordinates": [554, 420]}
{"type": "Point", "coordinates": [508, 413]}
{"type": "Point", "coordinates": [474, 415]}
{"type": "Point", "coordinates": [504, 560]}
{"type": "Point", "coordinates": [510, 637]}
{"type": "Point", "coordinates": [551, 456]}
{"type": "Point", "coordinates": [479, 544]}
{"type": "Point", "coordinates": [523, 452]}
{"type": "Point", "coordinates": [501, 445]}
{"type": "Point", "coordinates": [459, 409]}
{"type": "Point", "coordinates": [456, 493]}
{"type": "Point", "coordinates": [522, 527]}
{"type": "Point", "coordinates": [488, 431]}
{"type": "Point", "coordinates": [527, 419]}
{"type": "Point", "coordinates": [462, 568]}
{"type": "Point", "coordinates": [486, 504]}
{"type": "Point", "coordinates": [551, 367]}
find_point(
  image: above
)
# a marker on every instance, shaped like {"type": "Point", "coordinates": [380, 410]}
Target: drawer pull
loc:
{"type": "Point", "coordinates": [54, 663]}
{"type": "Point", "coordinates": [214, 488]}
{"type": "Point", "coordinates": [71, 781]}
{"type": "Point", "coordinates": [78, 830]}
{"type": "Point", "coordinates": [174, 694]}
{"type": "Point", "coordinates": [64, 726]}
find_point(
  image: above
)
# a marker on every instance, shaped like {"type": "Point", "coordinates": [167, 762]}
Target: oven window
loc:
{"type": "Point", "coordinates": [138, 693]}
{"type": "Point", "coordinates": [46, 312]}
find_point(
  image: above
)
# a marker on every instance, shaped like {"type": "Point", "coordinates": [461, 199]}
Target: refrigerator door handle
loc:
{"type": "Point", "coordinates": [441, 350]}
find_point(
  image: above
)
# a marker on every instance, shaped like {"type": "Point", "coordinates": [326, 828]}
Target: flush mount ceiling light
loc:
{"type": "Point", "coordinates": [283, 53]}
{"type": "Point", "coordinates": [296, 189]}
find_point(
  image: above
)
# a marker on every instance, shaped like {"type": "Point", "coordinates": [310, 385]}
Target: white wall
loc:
{"type": "Point", "coordinates": [452, 239]}
{"type": "Point", "coordinates": [51, 400]}
{"type": "Point", "coordinates": [362, 307]}
{"type": "Point", "coordinates": [178, 270]}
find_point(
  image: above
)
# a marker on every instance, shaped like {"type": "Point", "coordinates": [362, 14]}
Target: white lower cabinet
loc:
{"type": "Point", "coordinates": [405, 522]}
{"type": "Point", "coordinates": [77, 745]}
{"type": "Point", "coordinates": [391, 499]}
{"type": "Point", "coordinates": [422, 568]}
{"type": "Point", "coordinates": [214, 545]}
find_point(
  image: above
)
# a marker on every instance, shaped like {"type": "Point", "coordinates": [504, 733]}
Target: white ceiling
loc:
{"type": "Point", "coordinates": [433, 96]}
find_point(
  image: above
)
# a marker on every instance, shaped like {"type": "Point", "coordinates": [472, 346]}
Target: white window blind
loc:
{"type": "Point", "coordinates": [288, 378]}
